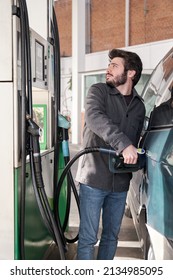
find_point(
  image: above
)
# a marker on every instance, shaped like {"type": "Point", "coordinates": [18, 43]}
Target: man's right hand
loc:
{"type": "Point", "coordinates": [130, 155]}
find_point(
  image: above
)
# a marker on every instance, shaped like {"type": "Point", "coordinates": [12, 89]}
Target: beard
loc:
{"type": "Point", "coordinates": [117, 81]}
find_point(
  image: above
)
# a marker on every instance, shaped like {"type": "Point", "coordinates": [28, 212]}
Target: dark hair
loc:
{"type": "Point", "coordinates": [131, 62]}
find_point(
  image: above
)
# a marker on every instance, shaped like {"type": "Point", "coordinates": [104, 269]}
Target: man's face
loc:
{"type": "Point", "coordinates": [115, 74]}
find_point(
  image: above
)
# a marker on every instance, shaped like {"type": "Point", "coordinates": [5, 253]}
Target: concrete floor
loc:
{"type": "Point", "coordinates": [128, 244]}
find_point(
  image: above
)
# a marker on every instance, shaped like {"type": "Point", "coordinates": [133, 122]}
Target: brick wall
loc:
{"type": "Point", "coordinates": [107, 24]}
{"type": "Point", "coordinates": [150, 20]}
{"type": "Point", "coordinates": [63, 10]}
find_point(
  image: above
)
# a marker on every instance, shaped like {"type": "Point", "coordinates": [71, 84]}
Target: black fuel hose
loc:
{"type": "Point", "coordinates": [70, 185]}
{"type": "Point", "coordinates": [68, 196]}
{"type": "Point", "coordinates": [57, 80]}
{"type": "Point", "coordinates": [34, 130]}
{"type": "Point", "coordinates": [71, 162]}
{"type": "Point", "coordinates": [23, 132]}
{"type": "Point", "coordinates": [70, 181]}
{"type": "Point", "coordinates": [67, 172]}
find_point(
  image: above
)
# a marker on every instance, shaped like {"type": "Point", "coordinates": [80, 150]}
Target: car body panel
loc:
{"type": "Point", "coordinates": [159, 188]}
{"type": "Point", "coordinates": [150, 196]}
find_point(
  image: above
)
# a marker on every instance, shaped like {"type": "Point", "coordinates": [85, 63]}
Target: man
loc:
{"type": "Point", "coordinates": [114, 116]}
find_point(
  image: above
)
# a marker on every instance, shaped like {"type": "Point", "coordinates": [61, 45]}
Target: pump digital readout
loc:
{"type": "Point", "coordinates": [39, 61]}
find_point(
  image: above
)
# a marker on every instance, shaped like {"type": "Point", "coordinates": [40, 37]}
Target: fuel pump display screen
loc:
{"type": "Point", "coordinates": [39, 61]}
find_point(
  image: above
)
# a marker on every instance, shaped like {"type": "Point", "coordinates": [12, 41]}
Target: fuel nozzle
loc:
{"type": "Point", "coordinates": [64, 126]}
{"type": "Point", "coordinates": [117, 165]}
{"type": "Point", "coordinates": [35, 132]}
{"type": "Point", "coordinates": [33, 128]}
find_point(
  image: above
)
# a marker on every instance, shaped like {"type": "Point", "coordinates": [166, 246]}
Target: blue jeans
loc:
{"type": "Point", "coordinates": [112, 204]}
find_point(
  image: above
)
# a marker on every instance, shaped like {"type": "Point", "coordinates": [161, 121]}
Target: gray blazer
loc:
{"type": "Point", "coordinates": [111, 124]}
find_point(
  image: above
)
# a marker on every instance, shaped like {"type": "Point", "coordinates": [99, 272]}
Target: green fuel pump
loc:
{"type": "Point", "coordinates": [30, 144]}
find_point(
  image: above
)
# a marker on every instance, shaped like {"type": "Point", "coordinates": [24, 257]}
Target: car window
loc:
{"type": "Point", "coordinates": [158, 93]}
